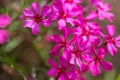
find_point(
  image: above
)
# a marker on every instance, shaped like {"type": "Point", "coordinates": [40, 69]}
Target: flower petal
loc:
{"type": "Point", "coordinates": [67, 32]}
{"type": "Point", "coordinates": [92, 15]}
{"type": "Point", "coordinates": [102, 52]}
{"type": "Point", "coordinates": [117, 43]}
{"type": "Point", "coordinates": [66, 55]}
{"type": "Point", "coordinates": [4, 35]}
{"type": "Point", "coordinates": [107, 65]}
{"type": "Point", "coordinates": [28, 13]}
{"type": "Point", "coordinates": [71, 21]}
{"type": "Point", "coordinates": [62, 77]}
{"type": "Point", "coordinates": [117, 38]}
{"type": "Point", "coordinates": [79, 62]}
{"type": "Point", "coordinates": [72, 59]}
{"type": "Point", "coordinates": [110, 16]}
{"type": "Point", "coordinates": [28, 23]}
{"type": "Point", "coordinates": [112, 49]}
{"type": "Point", "coordinates": [77, 1]}
{"type": "Point", "coordinates": [77, 31]}
{"type": "Point", "coordinates": [52, 72]}
{"type": "Point", "coordinates": [53, 63]}
{"type": "Point", "coordinates": [46, 10]}
{"type": "Point", "coordinates": [63, 62]}
{"type": "Point", "coordinates": [111, 30]}
{"type": "Point", "coordinates": [56, 50]}
{"type": "Point", "coordinates": [107, 7]}
{"type": "Point", "coordinates": [56, 38]}
{"type": "Point", "coordinates": [46, 22]}
{"type": "Point", "coordinates": [35, 28]}
{"type": "Point", "coordinates": [61, 24]}
{"type": "Point", "coordinates": [94, 67]}
{"type": "Point", "coordinates": [36, 8]}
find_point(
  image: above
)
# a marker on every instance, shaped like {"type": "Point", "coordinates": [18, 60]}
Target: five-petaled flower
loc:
{"type": "Point", "coordinates": [33, 17]}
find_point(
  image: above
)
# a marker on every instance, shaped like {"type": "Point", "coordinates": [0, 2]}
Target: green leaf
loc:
{"type": "Point", "coordinates": [11, 45]}
{"type": "Point", "coordinates": [110, 75]}
{"type": "Point", "coordinates": [118, 78]}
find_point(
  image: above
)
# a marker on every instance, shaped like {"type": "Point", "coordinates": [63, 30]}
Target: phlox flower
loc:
{"type": "Point", "coordinates": [63, 15]}
{"type": "Point", "coordinates": [97, 60]}
{"type": "Point", "coordinates": [111, 41]}
{"type": "Point", "coordinates": [61, 41]}
{"type": "Point", "coordinates": [33, 17]}
{"type": "Point", "coordinates": [63, 70]}
{"type": "Point", "coordinates": [86, 29]}
{"type": "Point", "coordinates": [87, 34]}
{"type": "Point", "coordinates": [103, 11]}
{"type": "Point", "coordinates": [77, 53]}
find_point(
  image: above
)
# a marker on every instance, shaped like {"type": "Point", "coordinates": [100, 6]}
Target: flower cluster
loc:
{"type": "Point", "coordinates": [83, 44]}
{"type": "Point", "coordinates": [5, 20]}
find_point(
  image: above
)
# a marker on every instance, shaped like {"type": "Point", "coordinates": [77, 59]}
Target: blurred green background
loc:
{"type": "Point", "coordinates": [26, 55]}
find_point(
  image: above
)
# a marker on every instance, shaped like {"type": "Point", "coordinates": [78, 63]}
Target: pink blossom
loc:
{"type": "Point", "coordinates": [112, 42]}
{"type": "Point", "coordinates": [77, 53]}
{"type": "Point", "coordinates": [103, 11]}
{"type": "Point", "coordinates": [5, 20]}
{"type": "Point", "coordinates": [63, 14]}
{"type": "Point", "coordinates": [4, 36]}
{"type": "Point", "coordinates": [61, 70]}
{"type": "Point", "coordinates": [94, 63]}
{"type": "Point", "coordinates": [34, 17]}
{"type": "Point", "coordinates": [86, 29]}
{"type": "Point", "coordinates": [62, 42]}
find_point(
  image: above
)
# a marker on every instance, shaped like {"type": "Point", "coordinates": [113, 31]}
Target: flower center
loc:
{"type": "Point", "coordinates": [111, 39]}
{"type": "Point", "coordinates": [64, 43]}
{"type": "Point", "coordinates": [69, 0]}
{"type": "Point", "coordinates": [61, 70]}
{"type": "Point", "coordinates": [63, 15]}
{"type": "Point", "coordinates": [85, 32]}
{"type": "Point", "coordinates": [77, 53]}
{"type": "Point", "coordinates": [38, 19]}
{"type": "Point", "coordinates": [97, 59]}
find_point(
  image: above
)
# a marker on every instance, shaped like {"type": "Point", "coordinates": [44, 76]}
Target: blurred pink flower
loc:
{"type": "Point", "coordinates": [33, 17]}
{"type": "Point", "coordinates": [5, 20]}
{"type": "Point", "coordinates": [112, 42]}
{"type": "Point", "coordinates": [4, 36]}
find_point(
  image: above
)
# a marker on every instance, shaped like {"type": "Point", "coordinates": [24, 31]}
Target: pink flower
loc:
{"type": "Point", "coordinates": [87, 34]}
{"type": "Point", "coordinates": [63, 14]}
{"type": "Point", "coordinates": [77, 53]}
{"type": "Point", "coordinates": [86, 29]}
{"type": "Point", "coordinates": [34, 17]}
{"type": "Point", "coordinates": [61, 43]}
{"type": "Point", "coordinates": [103, 11]}
{"type": "Point", "coordinates": [112, 42]}
{"type": "Point", "coordinates": [62, 70]}
{"type": "Point", "coordinates": [4, 36]}
{"type": "Point", "coordinates": [94, 63]}
{"type": "Point", "coordinates": [5, 20]}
